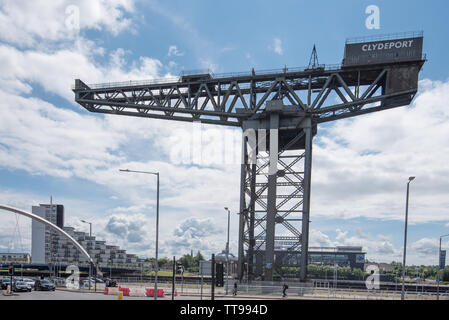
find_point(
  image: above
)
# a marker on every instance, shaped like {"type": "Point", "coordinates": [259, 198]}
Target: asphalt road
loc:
{"type": "Point", "coordinates": [68, 295]}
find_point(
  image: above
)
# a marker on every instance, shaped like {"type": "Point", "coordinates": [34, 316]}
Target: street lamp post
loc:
{"type": "Point", "coordinates": [439, 267]}
{"type": "Point", "coordinates": [157, 224]}
{"type": "Point", "coordinates": [227, 252]}
{"type": "Point", "coordinates": [90, 264]}
{"type": "Point", "coordinates": [410, 179]}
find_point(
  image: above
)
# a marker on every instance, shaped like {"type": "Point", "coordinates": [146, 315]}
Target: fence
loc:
{"type": "Point", "coordinates": [318, 289]}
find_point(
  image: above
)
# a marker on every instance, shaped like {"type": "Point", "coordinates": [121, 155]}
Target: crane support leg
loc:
{"type": "Point", "coordinates": [306, 201]}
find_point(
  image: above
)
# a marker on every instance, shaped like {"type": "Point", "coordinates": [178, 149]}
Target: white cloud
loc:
{"type": "Point", "coordinates": [196, 234]}
{"type": "Point", "coordinates": [348, 181]}
{"type": "Point", "coordinates": [319, 239]}
{"type": "Point", "coordinates": [57, 70]}
{"type": "Point", "coordinates": [30, 22]}
{"type": "Point", "coordinates": [426, 247]}
{"type": "Point", "coordinates": [276, 46]}
{"type": "Point", "coordinates": [378, 247]}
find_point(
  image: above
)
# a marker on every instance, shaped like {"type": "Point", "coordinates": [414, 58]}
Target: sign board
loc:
{"type": "Point", "coordinates": [385, 51]}
{"type": "Point", "coordinates": [442, 259]}
{"type": "Point", "coordinates": [360, 258]}
{"type": "Point", "coordinates": [205, 268]}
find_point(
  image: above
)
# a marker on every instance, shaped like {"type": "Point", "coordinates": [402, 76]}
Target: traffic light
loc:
{"type": "Point", "coordinates": [219, 275]}
{"type": "Point", "coordinates": [179, 268]}
{"type": "Point", "coordinates": [11, 270]}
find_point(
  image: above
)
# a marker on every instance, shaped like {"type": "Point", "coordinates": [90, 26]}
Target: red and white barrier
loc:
{"type": "Point", "coordinates": [135, 292]}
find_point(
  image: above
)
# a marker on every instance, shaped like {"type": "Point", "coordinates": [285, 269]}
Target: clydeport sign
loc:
{"type": "Point", "coordinates": [385, 51]}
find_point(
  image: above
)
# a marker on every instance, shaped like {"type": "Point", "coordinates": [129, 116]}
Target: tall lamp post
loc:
{"type": "Point", "coordinates": [439, 267]}
{"type": "Point", "coordinates": [227, 251]}
{"type": "Point", "coordinates": [90, 264]}
{"type": "Point", "coordinates": [157, 224]}
{"type": "Point", "coordinates": [410, 179]}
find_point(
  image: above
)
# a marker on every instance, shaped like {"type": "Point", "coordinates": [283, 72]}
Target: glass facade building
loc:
{"type": "Point", "coordinates": [342, 256]}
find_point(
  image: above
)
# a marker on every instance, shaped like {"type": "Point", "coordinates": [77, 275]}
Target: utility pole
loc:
{"type": "Point", "coordinates": [439, 266]}
{"type": "Point", "coordinates": [157, 225]}
{"type": "Point", "coordinates": [405, 239]}
{"type": "Point", "coordinates": [213, 277]}
{"type": "Point", "coordinates": [51, 240]}
{"type": "Point", "coordinates": [227, 252]}
{"type": "Point", "coordinates": [173, 279]}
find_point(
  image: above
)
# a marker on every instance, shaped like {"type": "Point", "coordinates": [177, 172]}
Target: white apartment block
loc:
{"type": "Point", "coordinates": [61, 251]}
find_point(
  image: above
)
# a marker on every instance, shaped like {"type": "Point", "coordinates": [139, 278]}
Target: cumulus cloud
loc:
{"type": "Point", "coordinates": [56, 70]}
{"type": "Point", "coordinates": [276, 46]}
{"type": "Point", "coordinates": [378, 247]}
{"type": "Point", "coordinates": [426, 247]}
{"type": "Point", "coordinates": [31, 22]}
{"type": "Point", "coordinates": [129, 227]}
{"type": "Point", "coordinates": [361, 165]}
{"type": "Point", "coordinates": [198, 234]}
{"type": "Point", "coordinates": [195, 228]}
{"type": "Point", "coordinates": [319, 239]}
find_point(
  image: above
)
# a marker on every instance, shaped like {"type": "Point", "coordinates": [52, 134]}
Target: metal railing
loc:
{"type": "Point", "coordinates": [168, 80]}
{"type": "Point", "coordinates": [384, 37]}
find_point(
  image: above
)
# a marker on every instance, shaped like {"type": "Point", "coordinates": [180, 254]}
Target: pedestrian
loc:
{"type": "Point", "coordinates": [284, 290]}
{"type": "Point", "coordinates": [234, 292]}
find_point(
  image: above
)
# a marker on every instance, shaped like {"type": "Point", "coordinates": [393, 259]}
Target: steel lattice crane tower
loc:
{"type": "Point", "coordinates": [279, 111]}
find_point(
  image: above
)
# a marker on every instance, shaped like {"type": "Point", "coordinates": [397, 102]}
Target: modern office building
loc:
{"type": "Point", "coordinates": [233, 261]}
{"type": "Point", "coordinates": [52, 247]}
{"type": "Point", "coordinates": [41, 234]}
{"type": "Point", "coordinates": [342, 256]}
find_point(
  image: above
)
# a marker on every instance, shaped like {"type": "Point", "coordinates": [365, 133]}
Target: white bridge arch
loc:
{"type": "Point", "coordinates": [51, 225]}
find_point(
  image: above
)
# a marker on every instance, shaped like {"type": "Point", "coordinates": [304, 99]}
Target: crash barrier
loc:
{"type": "Point", "coordinates": [136, 292]}
{"type": "Point", "coordinates": [125, 291]}
{"type": "Point", "coordinates": [111, 290]}
{"type": "Point", "coordinates": [150, 293]}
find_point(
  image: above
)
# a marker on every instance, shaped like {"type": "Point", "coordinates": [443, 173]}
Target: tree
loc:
{"type": "Point", "coordinates": [190, 263]}
{"type": "Point", "coordinates": [444, 274]}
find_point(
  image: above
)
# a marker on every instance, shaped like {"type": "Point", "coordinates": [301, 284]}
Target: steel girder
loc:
{"type": "Point", "coordinates": [275, 200]}
{"type": "Point", "coordinates": [231, 99]}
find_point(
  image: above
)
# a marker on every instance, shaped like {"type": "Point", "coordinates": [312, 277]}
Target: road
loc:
{"type": "Point", "coordinates": [68, 295]}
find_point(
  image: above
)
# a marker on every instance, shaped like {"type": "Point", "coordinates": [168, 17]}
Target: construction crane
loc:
{"type": "Point", "coordinates": [279, 112]}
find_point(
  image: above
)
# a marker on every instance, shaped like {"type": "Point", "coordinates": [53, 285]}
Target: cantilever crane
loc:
{"type": "Point", "coordinates": [279, 112]}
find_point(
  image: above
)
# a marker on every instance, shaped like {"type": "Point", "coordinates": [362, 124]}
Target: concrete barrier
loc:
{"type": "Point", "coordinates": [125, 291]}
{"type": "Point", "coordinates": [137, 292]}
{"type": "Point", "coordinates": [109, 290]}
{"type": "Point", "coordinates": [150, 293]}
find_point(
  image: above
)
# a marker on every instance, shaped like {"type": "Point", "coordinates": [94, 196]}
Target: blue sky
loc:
{"type": "Point", "coordinates": [49, 145]}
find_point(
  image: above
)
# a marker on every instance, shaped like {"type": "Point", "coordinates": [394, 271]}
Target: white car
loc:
{"type": "Point", "coordinates": [31, 282]}
{"type": "Point", "coordinates": [21, 286]}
